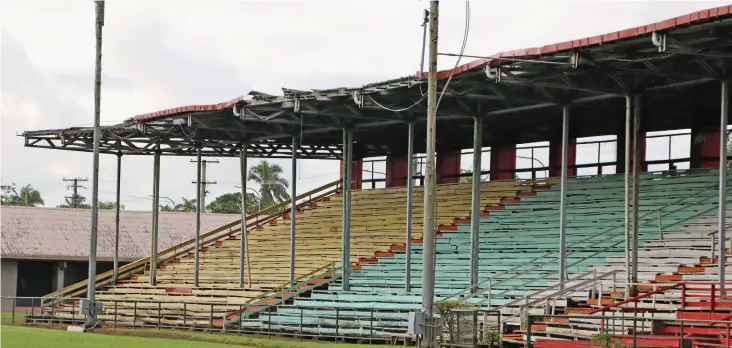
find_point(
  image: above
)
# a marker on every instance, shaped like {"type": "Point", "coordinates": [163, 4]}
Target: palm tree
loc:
{"type": "Point", "coordinates": [188, 205]}
{"type": "Point", "coordinates": [272, 188]}
{"type": "Point", "coordinates": [28, 196]}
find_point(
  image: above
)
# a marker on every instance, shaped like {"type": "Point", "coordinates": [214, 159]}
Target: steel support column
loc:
{"type": "Point", "coordinates": [243, 245]}
{"type": "Point", "coordinates": [197, 242]}
{"type": "Point", "coordinates": [428, 234]}
{"type": "Point", "coordinates": [475, 206]}
{"type": "Point", "coordinates": [155, 213]}
{"type": "Point", "coordinates": [722, 220]}
{"type": "Point", "coordinates": [563, 199]}
{"type": "Point", "coordinates": [637, 167]}
{"type": "Point", "coordinates": [626, 190]}
{"type": "Point", "coordinates": [116, 220]}
{"type": "Point", "coordinates": [410, 188]}
{"type": "Point", "coordinates": [346, 218]}
{"type": "Point", "coordinates": [91, 287]}
{"type": "Point", "coordinates": [293, 207]}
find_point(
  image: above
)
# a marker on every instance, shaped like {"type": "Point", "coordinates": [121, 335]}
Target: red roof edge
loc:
{"type": "Point", "coordinates": [189, 108]}
{"type": "Point", "coordinates": [527, 53]}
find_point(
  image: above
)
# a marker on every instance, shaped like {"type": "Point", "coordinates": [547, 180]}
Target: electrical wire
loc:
{"type": "Point", "coordinates": [462, 51]}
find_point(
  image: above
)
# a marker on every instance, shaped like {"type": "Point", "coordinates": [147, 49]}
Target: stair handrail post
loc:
{"type": "Point", "coordinates": [683, 295]}
{"type": "Point", "coordinates": [713, 294]}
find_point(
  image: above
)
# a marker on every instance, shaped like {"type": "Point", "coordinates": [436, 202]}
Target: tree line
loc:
{"type": "Point", "coordinates": [272, 190]}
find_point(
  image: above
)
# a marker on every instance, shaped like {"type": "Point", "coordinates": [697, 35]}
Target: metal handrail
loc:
{"type": "Point", "coordinates": [140, 265]}
{"type": "Point", "coordinates": [574, 287]}
{"type": "Point", "coordinates": [604, 232]}
{"type": "Point", "coordinates": [328, 269]}
{"type": "Point", "coordinates": [636, 298]}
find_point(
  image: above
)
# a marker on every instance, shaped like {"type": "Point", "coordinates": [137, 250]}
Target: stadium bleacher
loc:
{"type": "Point", "coordinates": [377, 225]}
{"type": "Point", "coordinates": [516, 235]}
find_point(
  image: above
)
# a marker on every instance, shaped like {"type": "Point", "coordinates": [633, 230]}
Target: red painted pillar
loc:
{"type": "Point", "coordinates": [396, 171]}
{"type": "Point", "coordinates": [704, 147]}
{"type": "Point", "coordinates": [555, 158]}
{"type": "Point", "coordinates": [448, 163]}
{"type": "Point", "coordinates": [503, 162]}
{"type": "Point", "coordinates": [620, 153]}
{"type": "Point", "coordinates": [356, 175]}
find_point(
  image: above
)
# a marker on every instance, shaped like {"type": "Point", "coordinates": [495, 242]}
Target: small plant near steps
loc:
{"type": "Point", "coordinates": [605, 339]}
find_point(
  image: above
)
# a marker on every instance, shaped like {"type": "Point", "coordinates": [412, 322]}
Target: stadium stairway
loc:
{"type": "Point", "coordinates": [517, 254]}
{"type": "Point", "coordinates": [674, 285]}
{"type": "Point", "coordinates": [377, 226]}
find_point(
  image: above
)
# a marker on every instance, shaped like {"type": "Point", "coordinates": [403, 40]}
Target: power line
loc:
{"type": "Point", "coordinates": [75, 201]}
{"type": "Point", "coordinates": [204, 183]}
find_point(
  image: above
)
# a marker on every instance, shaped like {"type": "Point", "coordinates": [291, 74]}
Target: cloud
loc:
{"type": "Point", "coordinates": [165, 54]}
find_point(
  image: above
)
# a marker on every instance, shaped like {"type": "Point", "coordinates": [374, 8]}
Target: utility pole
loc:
{"type": "Point", "coordinates": [74, 199]}
{"type": "Point", "coordinates": [204, 182]}
{"type": "Point", "coordinates": [428, 234]}
{"type": "Point", "coordinates": [92, 309]}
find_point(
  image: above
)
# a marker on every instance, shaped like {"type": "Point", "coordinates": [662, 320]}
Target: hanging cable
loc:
{"type": "Point", "coordinates": [462, 51]}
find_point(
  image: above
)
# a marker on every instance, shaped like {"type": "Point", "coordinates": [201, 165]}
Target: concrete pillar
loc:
{"type": "Point", "coordinates": [503, 162]}
{"type": "Point", "coordinates": [448, 167]}
{"type": "Point", "coordinates": [59, 271]}
{"type": "Point", "coordinates": [9, 283]}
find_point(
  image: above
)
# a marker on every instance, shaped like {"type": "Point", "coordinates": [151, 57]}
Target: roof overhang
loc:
{"type": "Point", "coordinates": [676, 66]}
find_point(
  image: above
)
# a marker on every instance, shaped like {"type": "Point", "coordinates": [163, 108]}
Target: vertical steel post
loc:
{"type": "Point", "coordinates": [428, 234]}
{"type": "Point", "coordinates": [346, 219]}
{"type": "Point", "coordinates": [293, 207]}
{"type": "Point", "coordinates": [722, 220]}
{"type": "Point", "coordinates": [116, 219]}
{"type": "Point", "coordinates": [637, 167]}
{"type": "Point", "coordinates": [91, 287]}
{"type": "Point", "coordinates": [626, 190]}
{"type": "Point", "coordinates": [410, 188]}
{"type": "Point", "coordinates": [563, 199]}
{"type": "Point", "coordinates": [155, 211]}
{"type": "Point", "coordinates": [197, 242]}
{"type": "Point", "coordinates": [475, 206]}
{"type": "Point", "coordinates": [243, 247]}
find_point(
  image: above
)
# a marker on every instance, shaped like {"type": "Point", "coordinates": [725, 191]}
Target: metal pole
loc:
{"type": "Point", "coordinates": [91, 318]}
{"type": "Point", "coordinates": [428, 234]}
{"type": "Point", "coordinates": [723, 179]}
{"type": "Point", "coordinates": [475, 207]}
{"type": "Point", "coordinates": [563, 199]}
{"type": "Point", "coordinates": [116, 219]}
{"type": "Point", "coordinates": [155, 210]}
{"type": "Point", "coordinates": [410, 188]}
{"type": "Point", "coordinates": [243, 242]}
{"type": "Point", "coordinates": [203, 186]}
{"type": "Point", "coordinates": [637, 139]}
{"type": "Point", "coordinates": [626, 209]}
{"type": "Point", "coordinates": [346, 219]}
{"type": "Point", "coordinates": [197, 243]}
{"type": "Point", "coordinates": [293, 207]}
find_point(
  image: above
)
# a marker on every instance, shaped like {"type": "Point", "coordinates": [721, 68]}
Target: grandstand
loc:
{"type": "Point", "coordinates": [667, 76]}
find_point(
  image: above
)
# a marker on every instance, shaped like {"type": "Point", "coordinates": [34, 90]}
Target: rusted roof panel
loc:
{"type": "Point", "coordinates": [63, 234]}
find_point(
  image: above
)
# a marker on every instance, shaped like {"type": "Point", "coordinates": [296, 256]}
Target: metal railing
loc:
{"type": "Point", "coordinates": [253, 220]}
{"type": "Point", "coordinates": [495, 280]}
{"type": "Point", "coordinates": [623, 329]}
{"type": "Point", "coordinates": [318, 277]}
{"type": "Point", "coordinates": [371, 324]}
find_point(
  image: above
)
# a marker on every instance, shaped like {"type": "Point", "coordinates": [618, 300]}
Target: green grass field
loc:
{"type": "Point", "coordinates": [33, 337]}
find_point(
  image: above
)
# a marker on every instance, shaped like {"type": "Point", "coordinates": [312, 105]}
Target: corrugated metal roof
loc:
{"type": "Point", "coordinates": [702, 16]}
{"type": "Point", "coordinates": [63, 234]}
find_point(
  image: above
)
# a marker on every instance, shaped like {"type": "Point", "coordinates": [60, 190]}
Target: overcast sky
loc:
{"type": "Point", "coordinates": [162, 54]}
